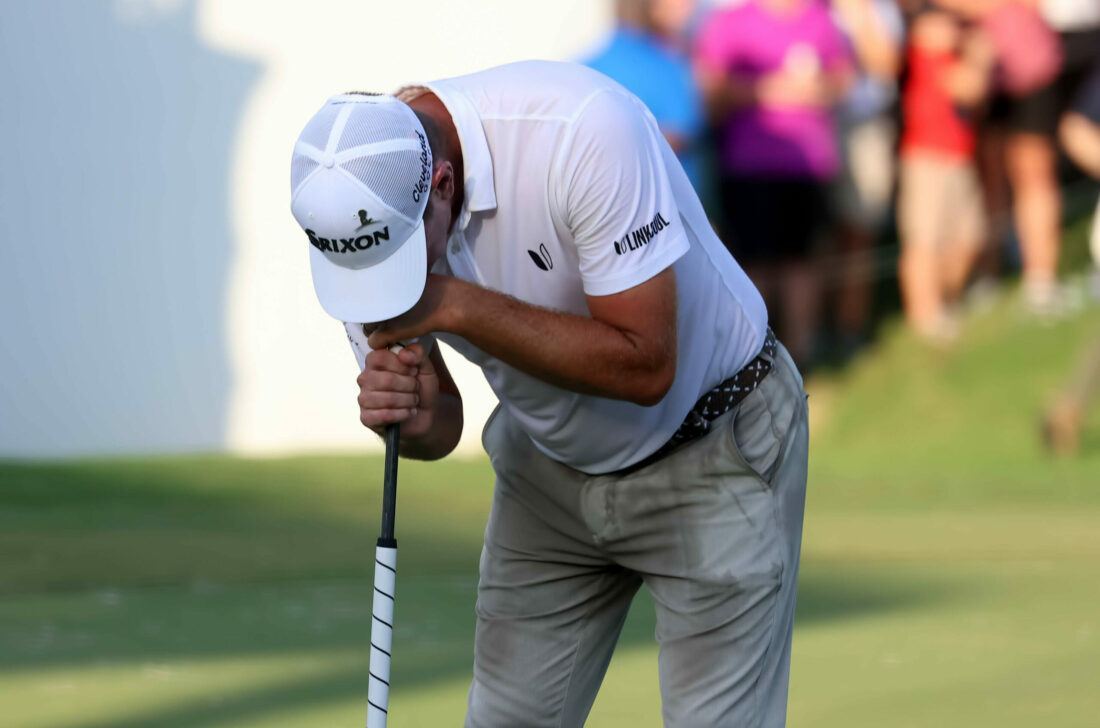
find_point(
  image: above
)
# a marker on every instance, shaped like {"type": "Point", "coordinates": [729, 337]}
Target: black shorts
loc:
{"type": "Point", "coordinates": [1034, 113]}
{"type": "Point", "coordinates": [772, 219]}
{"type": "Point", "coordinates": [1038, 112]}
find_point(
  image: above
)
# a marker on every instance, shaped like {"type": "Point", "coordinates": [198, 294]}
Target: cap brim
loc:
{"type": "Point", "coordinates": [377, 293]}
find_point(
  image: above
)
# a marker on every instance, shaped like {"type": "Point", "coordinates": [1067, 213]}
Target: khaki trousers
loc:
{"type": "Point", "coordinates": [713, 530]}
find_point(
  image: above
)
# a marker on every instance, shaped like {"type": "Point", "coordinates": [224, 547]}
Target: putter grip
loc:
{"type": "Point", "coordinates": [381, 636]}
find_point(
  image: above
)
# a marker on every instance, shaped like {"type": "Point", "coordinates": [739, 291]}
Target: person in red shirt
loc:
{"type": "Point", "coordinates": [941, 219]}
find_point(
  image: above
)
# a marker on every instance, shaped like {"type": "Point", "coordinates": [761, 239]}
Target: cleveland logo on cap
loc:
{"type": "Point", "coordinates": [424, 183]}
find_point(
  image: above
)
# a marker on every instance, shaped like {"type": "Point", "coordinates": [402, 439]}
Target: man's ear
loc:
{"type": "Point", "coordinates": [443, 183]}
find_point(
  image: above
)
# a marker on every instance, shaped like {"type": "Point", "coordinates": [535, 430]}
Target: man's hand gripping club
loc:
{"type": "Point", "coordinates": [400, 387]}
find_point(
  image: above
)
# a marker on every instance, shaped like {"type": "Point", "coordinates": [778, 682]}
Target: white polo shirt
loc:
{"type": "Point", "coordinates": [571, 191]}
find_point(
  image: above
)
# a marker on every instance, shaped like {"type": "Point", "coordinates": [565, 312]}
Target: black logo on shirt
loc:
{"type": "Point", "coordinates": [640, 238]}
{"type": "Point", "coordinates": [542, 258]}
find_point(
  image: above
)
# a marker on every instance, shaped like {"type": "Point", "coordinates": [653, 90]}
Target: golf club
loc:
{"type": "Point", "coordinates": [385, 562]}
{"type": "Point", "coordinates": [385, 578]}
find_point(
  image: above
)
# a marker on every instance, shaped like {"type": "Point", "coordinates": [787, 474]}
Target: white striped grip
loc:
{"type": "Point", "coordinates": [381, 636]}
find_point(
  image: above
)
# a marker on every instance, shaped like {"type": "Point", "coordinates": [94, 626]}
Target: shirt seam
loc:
{"type": "Point", "coordinates": [556, 177]}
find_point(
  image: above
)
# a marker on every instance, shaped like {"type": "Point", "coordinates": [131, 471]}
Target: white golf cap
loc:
{"type": "Point", "coordinates": [359, 179]}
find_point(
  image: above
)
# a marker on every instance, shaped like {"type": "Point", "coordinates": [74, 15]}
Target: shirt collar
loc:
{"type": "Point", "coordinates": [477, 184]}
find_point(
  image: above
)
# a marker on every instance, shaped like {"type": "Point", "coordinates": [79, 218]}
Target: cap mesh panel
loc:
{"type": "Point", "coordinates": [391, 176]}
{"type": "Point", "coordinates": [374, 122]}
{"type": "Point", "coordinates": [299, 168]}
{"type": "Point", "coordinates": [319, 127]}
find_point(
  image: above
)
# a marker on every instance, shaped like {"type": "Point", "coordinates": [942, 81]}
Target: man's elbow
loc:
{"type": "Point", "coordinates": [651, 388]}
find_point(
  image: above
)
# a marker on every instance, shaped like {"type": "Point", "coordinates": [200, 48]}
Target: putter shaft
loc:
{"type": "Point", "coordinates": [389, 487]}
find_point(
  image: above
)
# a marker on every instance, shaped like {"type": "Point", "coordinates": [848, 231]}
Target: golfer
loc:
{"type": "Point", "coordinates": [650, 427]}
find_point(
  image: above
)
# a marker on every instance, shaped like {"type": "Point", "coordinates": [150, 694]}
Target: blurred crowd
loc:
{"type": "Point", "coordinates": [837, 143]}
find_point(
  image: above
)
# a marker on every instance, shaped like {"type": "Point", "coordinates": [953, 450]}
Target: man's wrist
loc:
{"type": "Point", "coordinates": [456, 306]}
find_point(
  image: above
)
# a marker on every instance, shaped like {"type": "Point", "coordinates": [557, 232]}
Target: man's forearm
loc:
{"type": "Point", "coordinates": [577, 353]}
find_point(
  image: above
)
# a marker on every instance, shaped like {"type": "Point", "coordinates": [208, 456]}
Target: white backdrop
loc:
{"type": "Point", "coordinates": [154, 289]}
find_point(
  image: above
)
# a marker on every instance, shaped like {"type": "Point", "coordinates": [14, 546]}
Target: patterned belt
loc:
{"type": "Point", "coordinates": [714, 404]}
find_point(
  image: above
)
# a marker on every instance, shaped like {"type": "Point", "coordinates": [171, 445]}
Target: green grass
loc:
{"type": "Point", "coordinates": [949, 578]}
{"type": "Point", "coordinates": [961, 426]}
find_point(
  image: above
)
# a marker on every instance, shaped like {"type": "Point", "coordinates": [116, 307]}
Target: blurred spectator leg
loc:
{"type": "Point", "coordinates": [998, 208]}
{"type": "Point", "coordinates": [922, 194]}
{"type": "Point", "coordinates": [800, 305]}
{"type": "Point", "coordinates": [957, 266]}
{"type": "Point", "coordinates": [1079, 132]}
{"type": "Point", "coordinates": [1080, 136]}
{"type": "Point", "coordinates": [863, 200]}
{"type": "Point", "coordinates": [853, 300]}
{"type": "Point", "coordinates": [920, 288]}
{"type": "Point", "coordinates": [966, 234]}
{"type": "Point", "coordinates": [1030, 161]}
{"type": "Point", "coordinates": [1061, 426]}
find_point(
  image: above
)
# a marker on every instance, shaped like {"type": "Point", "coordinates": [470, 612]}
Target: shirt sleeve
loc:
{"type": "Point", "coordinates": [614, 195]}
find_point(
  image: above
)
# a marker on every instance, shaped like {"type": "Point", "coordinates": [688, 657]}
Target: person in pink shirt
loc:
{"type": "Point", "coordinates": [771, 72]}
